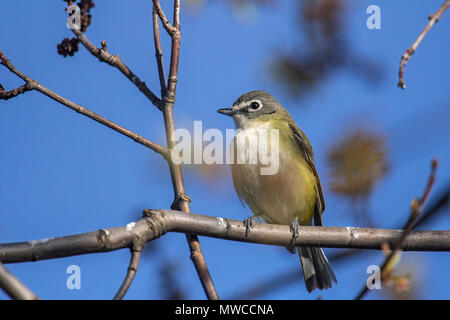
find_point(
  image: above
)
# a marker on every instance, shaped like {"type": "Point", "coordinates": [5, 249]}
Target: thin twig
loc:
{"type": "Point", "coordinates": [410, 51]}
{"type": "Point", "coordinates": [13, 287]}
{"type": "Point", "coordinates": [182, 200]}
{"type": "Point", "coordinates": [35, 85]}
{"type": "Point", "coordinates": [132, 269]}
{"type": "Point", "coordinates": [114, 60]}
{"type": "Point", "coordinates": [159, 53]}
{"type": "Point", "coordinates": [416, 209]}
{"type": "Point", "coordinates": [173, 31]}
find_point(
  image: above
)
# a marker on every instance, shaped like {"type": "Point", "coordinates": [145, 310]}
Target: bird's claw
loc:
{"type": "Point", "coordinates": [248, 224]}
{"type": "Point", "coordinates": [294, 229]}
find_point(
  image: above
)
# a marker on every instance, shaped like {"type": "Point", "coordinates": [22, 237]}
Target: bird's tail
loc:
{"type": "Point", "coordinates": [317, 271]}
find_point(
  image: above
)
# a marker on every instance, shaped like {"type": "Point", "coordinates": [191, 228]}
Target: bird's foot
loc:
{"type": "Point", "coordinates": [248, 224]}
{"type": "Point", "coordinates": [295, 234]}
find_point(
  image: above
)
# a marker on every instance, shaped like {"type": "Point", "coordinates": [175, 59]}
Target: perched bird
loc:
{"type": "Point", "coordinates": [292, 195]}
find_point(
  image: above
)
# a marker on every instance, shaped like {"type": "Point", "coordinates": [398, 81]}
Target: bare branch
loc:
{"type": "Point", "coordinates": [114, 60]}
{"type": "Point", "coordinates": [13, 287]}
{"type": "Point", "coordinates": [416, 209]}
{"type": "Point", "coordinates": [159, 222]}
{"type": "Point", "coordinates": [410, 51]}
{"type": "Point", "coordinates": [173, 31]}
{"type": "Point", "coordinates": [132, 269]}
{"type": "Point", "coordinates": [35, 85]}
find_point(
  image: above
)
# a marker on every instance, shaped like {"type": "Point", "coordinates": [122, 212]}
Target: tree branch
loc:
{"type": "Point", "coordinates": [410, 51]}
{"type": "Point", "coordinates": [35, 85]}
{"type": "Point", "coordinates": [13, 287]}
{"type": "Point", "coordinates": [114, 60]}
{"type": "Point", "coordinates": [157, 223]}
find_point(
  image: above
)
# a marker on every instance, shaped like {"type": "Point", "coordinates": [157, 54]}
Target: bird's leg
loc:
{"type": "Point", "coordinates": [294, 228]}
{"type": "Point", "coordinates": [248, 224]}
{"type": "Point", "coordinates": [295, 234]}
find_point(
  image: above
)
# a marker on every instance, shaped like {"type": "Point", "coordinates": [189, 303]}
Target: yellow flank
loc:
{"type": "Point", "coordinates": [290, 192]}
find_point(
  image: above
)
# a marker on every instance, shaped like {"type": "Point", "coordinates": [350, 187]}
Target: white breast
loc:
{"type": "Point", "coordinates": [277, 198]}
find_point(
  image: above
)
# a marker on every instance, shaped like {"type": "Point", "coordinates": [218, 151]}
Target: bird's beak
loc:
{"type": "Point", "coordinates": [227, 111]}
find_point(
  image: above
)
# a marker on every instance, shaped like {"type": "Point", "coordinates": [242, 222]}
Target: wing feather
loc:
{"type": "Point", "coordinates": [308, 154]}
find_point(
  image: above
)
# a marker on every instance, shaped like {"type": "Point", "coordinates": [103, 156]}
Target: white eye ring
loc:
{"type": "Point", "coordinates": [254, 105]}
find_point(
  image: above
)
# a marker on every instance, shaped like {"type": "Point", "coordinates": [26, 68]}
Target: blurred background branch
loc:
{"type": "Point", "coordinates": [393, 257]}
{"type": "Point", "coordinates": [13, 287]}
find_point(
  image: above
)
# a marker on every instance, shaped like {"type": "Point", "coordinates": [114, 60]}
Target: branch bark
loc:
{"type": "Point", "coordinates": [157, 223]}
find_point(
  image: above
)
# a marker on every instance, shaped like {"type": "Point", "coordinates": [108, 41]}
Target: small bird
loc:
{"type": "Point", "coordinates": [293, 194]}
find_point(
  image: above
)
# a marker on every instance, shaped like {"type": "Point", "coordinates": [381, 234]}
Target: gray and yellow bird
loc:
{"type": "Point", "coordinates": [293, 194]}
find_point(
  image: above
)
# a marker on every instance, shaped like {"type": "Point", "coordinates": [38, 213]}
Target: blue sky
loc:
{"type": "Point", "coordinates": [61, 173]}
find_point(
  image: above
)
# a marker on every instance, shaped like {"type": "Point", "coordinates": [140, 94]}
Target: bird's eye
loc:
{"type": "Point", "coordinates": [255, 105]}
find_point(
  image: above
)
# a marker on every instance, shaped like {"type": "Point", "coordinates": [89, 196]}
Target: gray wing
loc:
{"type": "Point", "coordinates": [307, 152]}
